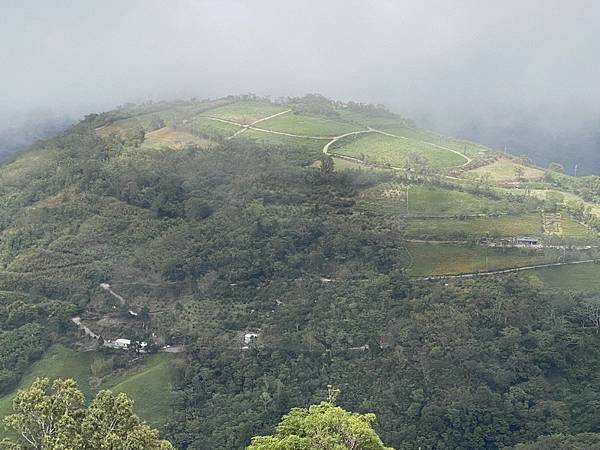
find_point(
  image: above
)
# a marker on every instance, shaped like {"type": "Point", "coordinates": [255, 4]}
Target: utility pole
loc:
{"type": "Point", "coordinates": [407, 208]}
{"type": "Point", "coordinates": [576, 167]}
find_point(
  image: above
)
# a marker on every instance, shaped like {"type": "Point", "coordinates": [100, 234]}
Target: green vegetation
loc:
{"type": "Point", "coordinates": [427, 200]}
{"type": "Point", "coordinates": [212, 129]}
{"type": "Point", "coordinates": [264, 236]}
{"type": "Point", "coordinates": [148, 385]}
{"type": "Point", "coordinates": [395, 151]}
{"type": "Point", "coordinates": [245, 112]}
{"type": "Point", "coordinates": [308, 125]}
{"type": "Point", "coordinates": [321, 427]}
{"type": "Point", "coordinates": [310, 146]}
{"type": "Point", "coordinates": [451, 228]}
{"type": "Point", "coordinates": [52, 416]}
{"type": "Point", "coordinates": [583, 277]}
{"type": "Point", "coordinates": [451, 259]}
{"type": "Point", "coordinates": [175, 139]}
{"type": "Point", "coordinates": [505, 169]}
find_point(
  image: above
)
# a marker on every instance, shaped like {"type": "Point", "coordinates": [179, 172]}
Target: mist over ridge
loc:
{"type": "Point", "coordinates": [516, 74]}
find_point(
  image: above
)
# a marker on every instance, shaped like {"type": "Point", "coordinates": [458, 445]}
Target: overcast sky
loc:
{"type": "Point", "coordinates": [439, 61]}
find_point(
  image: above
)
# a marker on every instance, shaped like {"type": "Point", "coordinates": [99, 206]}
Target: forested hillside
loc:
{"type": "Point", "coordinates": [277, 248]}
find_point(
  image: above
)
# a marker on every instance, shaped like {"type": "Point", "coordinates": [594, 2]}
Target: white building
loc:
{"type": "Point", "coordinates": [249, 337]}
{"type": "Point", "coordinates": [122, 343]}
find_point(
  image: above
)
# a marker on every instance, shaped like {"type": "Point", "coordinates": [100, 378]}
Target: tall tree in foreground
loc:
{"type": "Point", "coordinates": [53, 416]}
{"type": "Point", "coordinates": [322, 427]}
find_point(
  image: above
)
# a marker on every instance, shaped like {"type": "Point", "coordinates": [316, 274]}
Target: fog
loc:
{"type": "Point", "coordinates": [521, 74]}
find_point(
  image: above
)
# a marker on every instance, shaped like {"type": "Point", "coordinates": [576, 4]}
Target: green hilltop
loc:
{"type": "Point", "coordinates": [267, 248]}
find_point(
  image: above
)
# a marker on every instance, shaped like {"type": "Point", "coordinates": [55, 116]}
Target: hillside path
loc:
{"type": "Point", "coordinates": [237, 133]}
{"type": "Point", "coordinates": [108, 289]}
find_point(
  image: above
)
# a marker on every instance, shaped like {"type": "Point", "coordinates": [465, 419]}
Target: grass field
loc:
{"type": "Point", "coordinates": [213, 127]}
{"type": "Point", "coordinates": [384, 149]}
{"type": "Point", "coordinates": [245, 112]}
{"type": "Point", "coordinates": [174, 139]}
{"type": "Point", "coordinates": [311, 145]}
{"type": "Point", "coordinates": [448, 259]}
{"type": "Point", "coordinates": [581, 277]}
{"type": "Point", "coordinates": [344, 164]}
{"type": "Point", "coordinates": [471, 149]}
{"type": "Point", "coordinates": [505, 170]}
{"type": "Point", "coordinates": [518, 225]}
{"type": "Point", "coordinates": [149, 385]}
{"type": "Point", "coordinates": [308, 125]}
{"type": "Point", "coordinates": [427, 201]}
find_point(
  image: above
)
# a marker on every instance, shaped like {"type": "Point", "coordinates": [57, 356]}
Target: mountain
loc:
{"type": "Point", "coordinates": [268, 249]}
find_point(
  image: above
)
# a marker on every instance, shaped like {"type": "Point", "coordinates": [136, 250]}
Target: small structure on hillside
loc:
{"type": "Point", "coordinates": [122, 343]}
{"type": "Point", "coordinates": [125, 344]}
{"type": "Point", "coordinates": [249, 338]}
{"type": "Point", "coordinates": [527, 241]}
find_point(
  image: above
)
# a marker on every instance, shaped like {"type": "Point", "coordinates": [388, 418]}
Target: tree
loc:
{"type": "Point", "coordinates": [322, 427]}
{"type": "Point", "coordinates": [326, 164]}
{"type": "Point", "coordinates": [53, 416]}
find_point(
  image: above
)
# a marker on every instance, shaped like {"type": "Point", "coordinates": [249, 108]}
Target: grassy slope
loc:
{"type": "Point", "coordinates": [582, 277]}
{"type": "Point", "coordinates": [149, 385]}
{"type": "Point", "coordinates": [308, 125]}
{"type": "Point", "coordinates": [245, 112]}
{"type": "Point", "coordinates": [385, 149]}
{"type": "Point", "coordinates": [446, 259]}
{"type": "Point", "coordinates": [427, 200]}
{"type": "Point", "coordinates": [525, 224]}
{"type": "Point", "coordinates": [506, 170]}
{"type": "Point", "coordinates": [168, 137]}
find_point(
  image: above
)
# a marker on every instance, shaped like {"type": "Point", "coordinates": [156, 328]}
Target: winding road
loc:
{"type": "Point", "coordinates": [332, 139]}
